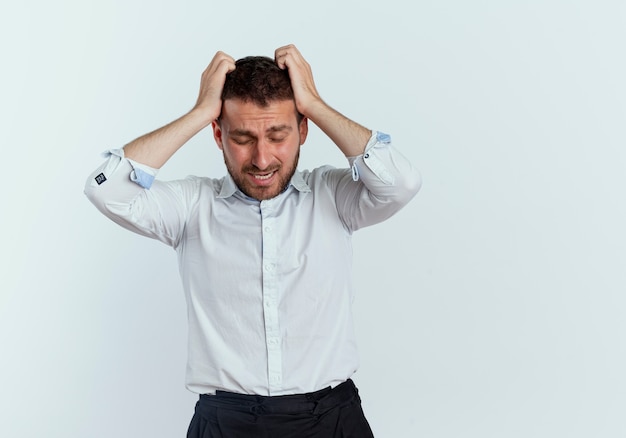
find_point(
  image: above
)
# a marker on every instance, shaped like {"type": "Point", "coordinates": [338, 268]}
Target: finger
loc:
{"type": "Point", "coordinates": [227, 65]}
{"type": "Point", "coordinates": [288, 60]}
{"type": "Point", "coordinates": [220, 59]}
{"type": "Point", "coordinates": [221, 55]}
{"type": "Point", "coordinates": [280, 59]}
{"type": "Point", "coordinates": [284, 49]}
{"type": "Point", "coordinates": [285, 54]}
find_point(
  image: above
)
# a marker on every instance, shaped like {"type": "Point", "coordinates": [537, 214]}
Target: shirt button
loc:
{"type": "Point", "coordinates": [268, 229]}
{"type": "Point", "coordinates": [269, 267]}
{"type": "Point", "coordinates": [366, 156]}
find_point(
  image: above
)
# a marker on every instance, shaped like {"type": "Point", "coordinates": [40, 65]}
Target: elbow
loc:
{"type": "Point", "coordinates": [95, 197]}
{"type": "Point", "coordinates": [95, 192]}
{"type": "Point", "coordinates": [408, 186]}
{"type": "Point", "coordinates": [414, 182]}
{"type": "Point", "coordinates": [91, 191]}
{"type": "Point", "coordinates": [110, 201]}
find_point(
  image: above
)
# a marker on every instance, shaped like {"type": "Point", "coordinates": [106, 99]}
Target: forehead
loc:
{"type": "Point", "coordinates": [237, 114]}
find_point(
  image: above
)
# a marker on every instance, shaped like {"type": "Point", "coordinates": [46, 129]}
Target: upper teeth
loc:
{"type": "Point", "coordinates": [266, 176]}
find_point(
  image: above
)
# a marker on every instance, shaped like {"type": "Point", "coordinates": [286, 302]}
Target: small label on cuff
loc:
{"type": "Point", "coordinates": [100, 178]}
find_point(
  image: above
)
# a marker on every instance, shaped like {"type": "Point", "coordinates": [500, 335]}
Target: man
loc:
{"type": "Point", "coordinates": [264, 252]}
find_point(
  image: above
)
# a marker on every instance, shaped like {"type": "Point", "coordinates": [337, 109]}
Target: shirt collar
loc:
{"type": "Point", "coordinates": [229, 188]}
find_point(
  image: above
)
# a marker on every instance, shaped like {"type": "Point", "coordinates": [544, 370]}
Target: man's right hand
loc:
{"type": "Point", "coordinates": [213, 78]}
{"type": "Point", "coordinates": [155, 148]}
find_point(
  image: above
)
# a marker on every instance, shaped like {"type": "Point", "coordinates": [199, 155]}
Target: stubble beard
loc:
{"type": "Point", "coordinates": [259, 192]}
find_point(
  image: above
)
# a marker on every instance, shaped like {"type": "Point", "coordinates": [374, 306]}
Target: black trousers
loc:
{"type": "Point", "coordinates": [328, 413]}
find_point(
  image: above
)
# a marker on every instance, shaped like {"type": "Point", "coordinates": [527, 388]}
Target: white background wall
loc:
{"type": "Point", "coordinates": [492, 306]}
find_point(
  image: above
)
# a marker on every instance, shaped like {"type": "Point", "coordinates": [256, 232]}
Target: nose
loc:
{"type": "Point", "coordinates": [262, 155]}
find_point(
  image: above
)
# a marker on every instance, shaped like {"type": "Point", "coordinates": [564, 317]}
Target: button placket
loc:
{"type": "Point", "coordinates": [270, 298]}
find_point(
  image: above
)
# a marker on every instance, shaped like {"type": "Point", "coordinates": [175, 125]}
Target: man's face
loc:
{"type": "Point", "coordinates": [261, 145]}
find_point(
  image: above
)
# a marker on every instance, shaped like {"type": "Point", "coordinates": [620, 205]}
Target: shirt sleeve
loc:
{"type": "Point", "coordinates": [380, 183]}
{"type": "Point", "coordinates": [127, 193]}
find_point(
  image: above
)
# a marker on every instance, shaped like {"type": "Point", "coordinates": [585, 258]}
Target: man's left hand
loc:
{"type": "Point", "coordinates": [305, 93]}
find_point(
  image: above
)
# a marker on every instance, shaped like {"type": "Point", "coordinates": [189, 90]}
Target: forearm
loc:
{"type": "Point", "coordinates": [349, 136]}
{"type": "Point", "coordinates": [155, 148]}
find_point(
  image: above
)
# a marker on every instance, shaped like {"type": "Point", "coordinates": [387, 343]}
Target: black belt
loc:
{"type": "Point", "coordinates": [315, 403]}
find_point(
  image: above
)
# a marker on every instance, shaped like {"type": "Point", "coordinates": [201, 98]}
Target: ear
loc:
{"type": "Point", "coordinates": [217, 134]}
{"type": "Point", "coordinates": [304, 129]}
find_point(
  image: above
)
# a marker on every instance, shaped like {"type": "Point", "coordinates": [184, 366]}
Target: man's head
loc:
{"type": "Point", "coordinates": [259, 129]}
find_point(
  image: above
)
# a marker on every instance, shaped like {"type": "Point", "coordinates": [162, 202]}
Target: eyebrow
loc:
{"type": "Point", "coordinates": [246, 133]}
{"type": "Point", "coordinates": [279, 128]}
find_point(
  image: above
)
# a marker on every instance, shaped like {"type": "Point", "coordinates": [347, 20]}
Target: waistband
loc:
{"type": "Point", "coordinates": [315, 403]}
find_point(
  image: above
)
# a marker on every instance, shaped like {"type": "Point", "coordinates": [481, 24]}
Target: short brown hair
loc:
{"type": "Point", "coordinates": [259, 80]}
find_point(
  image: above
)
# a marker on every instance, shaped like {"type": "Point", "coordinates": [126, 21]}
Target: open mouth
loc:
{"type": "Point", "coordinates": [263, 176]}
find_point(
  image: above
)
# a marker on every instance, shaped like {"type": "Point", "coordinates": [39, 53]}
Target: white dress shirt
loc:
{"type": "Point", "coordinates": [268, 283]}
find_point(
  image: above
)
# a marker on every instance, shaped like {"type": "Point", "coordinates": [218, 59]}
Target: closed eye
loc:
{"type": "Point", "coordinates": [242, 140]}
{"type": "Point", "coordinates": [277, 139]}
